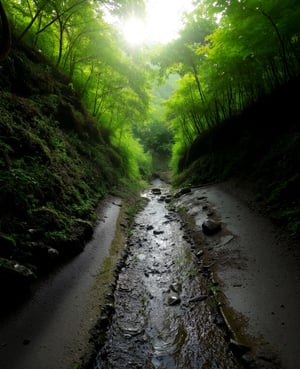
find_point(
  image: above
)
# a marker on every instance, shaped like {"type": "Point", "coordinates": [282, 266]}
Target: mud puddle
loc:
{"type": "Point", "coordinates": [166, 316]}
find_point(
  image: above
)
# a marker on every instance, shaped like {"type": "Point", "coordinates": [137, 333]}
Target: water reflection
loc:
{"type": "Point", "coordinates": [155, 325]}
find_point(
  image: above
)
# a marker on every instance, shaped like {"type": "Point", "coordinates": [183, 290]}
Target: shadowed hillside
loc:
{"type": "Point", "coordinates": [56, 163]}
{"type": "Point", "coordinates": [260, 148]}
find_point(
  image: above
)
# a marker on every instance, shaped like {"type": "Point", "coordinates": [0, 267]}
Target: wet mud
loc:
{"type": "Point", "coordinates": [165, 312]}
{"type": "Point", "coordinates": [258, 268]}
{"type": "Point", "coordinates": [52, 328]}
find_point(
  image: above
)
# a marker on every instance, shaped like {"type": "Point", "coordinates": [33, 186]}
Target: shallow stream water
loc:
{"type": "Point", "coordinates": [165, 315]}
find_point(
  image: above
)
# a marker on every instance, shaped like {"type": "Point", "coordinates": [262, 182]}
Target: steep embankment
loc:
{"type": "Point", "coordinates": [260, 148]}
{"type": "Point", "coordinates": [55, 165]}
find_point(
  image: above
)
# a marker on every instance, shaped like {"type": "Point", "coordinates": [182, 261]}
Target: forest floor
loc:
{"type": "Point", "coordinates": [255, 266]}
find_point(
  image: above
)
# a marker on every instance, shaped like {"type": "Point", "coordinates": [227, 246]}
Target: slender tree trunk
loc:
{"type": "Point", "coordinates": [5, 45]}
{"type": "Point", "coordinates": [202, 97]}
{"type": "Point", "coordinates": [185, 129]}
{"type": "Point", "coordinates": [32, 21]}
{"type": "Point", "coordinates": [281, 43]}
{"type": "Point", "coordinates": [61, 35]}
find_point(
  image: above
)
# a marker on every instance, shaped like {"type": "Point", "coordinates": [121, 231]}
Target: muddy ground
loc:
{"type": "Point", "coordinates": [258, 268]}
{"type": "Point", "coordinates": [188, 299]}
{"type": "Point", "coordinates": [52, 328]}
{"type": "Point", "coordinates": [166, 315]}
{"type": "Point", "coordinates": [180, 299]}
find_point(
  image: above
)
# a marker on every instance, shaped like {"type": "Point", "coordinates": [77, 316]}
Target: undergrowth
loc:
{"type": "Point", "coordinates": [261, 146]}
{"type": "Point", "coordinates": [56, 164]}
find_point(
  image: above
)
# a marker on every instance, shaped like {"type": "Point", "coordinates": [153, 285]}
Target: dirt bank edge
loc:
{"type": "Point", "coordinates": [260, 351]}
{"type": "Point", "coordinates": [107, 277]}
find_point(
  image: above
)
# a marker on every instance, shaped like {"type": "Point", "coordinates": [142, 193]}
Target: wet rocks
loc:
{"type": "Point", "coordinates": [156, 191]}
{"type": "Point", "coordinates": [200, 253]}
{"type": "Point", "coordinates": [176, 287]}
{"type": "Point", "coordinates": [210, 227]}
{"type": "Point", "coordinates": [183, 191]}
{"type": "Point", "coordinates": [23, 271]}
{"type": "Point", "coordinates": [165, 198]}
{"type": "Point", "coordinates": [198, 298]}
{"type": "Point", "coordinates": [173, 300]}
{"type": "Point", "coordinates": [168, 199]}
{"type": "Point", "coordinates": [174, 294]}
{"type": "Point", "coordinates": [9, 269]}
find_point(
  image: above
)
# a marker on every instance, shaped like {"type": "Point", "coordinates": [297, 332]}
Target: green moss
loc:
{"type": "Point", "coordinates": [54, 164]}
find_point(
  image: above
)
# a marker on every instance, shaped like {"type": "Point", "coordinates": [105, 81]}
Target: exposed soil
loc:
{"type": "Point", "coordinates": [258, 269]}
{"type": "Point", "coordinates": [51, 330]}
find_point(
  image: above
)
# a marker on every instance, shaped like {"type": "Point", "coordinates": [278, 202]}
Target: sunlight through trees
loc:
{"type": "Point", "coordinates": [226, 55]}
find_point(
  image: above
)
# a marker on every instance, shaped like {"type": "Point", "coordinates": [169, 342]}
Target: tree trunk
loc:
{"type": "Point", "coordinates": [5, 45]}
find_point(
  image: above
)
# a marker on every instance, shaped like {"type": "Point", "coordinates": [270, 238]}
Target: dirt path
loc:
{"type": "Point", "coordinates": [258, 271]}
{"type": "Point", "coordinates": [51, 330]}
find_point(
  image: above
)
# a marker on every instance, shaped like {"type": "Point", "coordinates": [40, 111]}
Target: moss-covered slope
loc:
{"type": "Point", "coordinates": [56, 162]}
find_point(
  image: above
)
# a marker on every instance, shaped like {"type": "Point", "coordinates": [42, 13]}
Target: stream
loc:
{"type": "Point", "coordinates": [170, 294]}
{"type": "Point", "coordinates": [166, 316]}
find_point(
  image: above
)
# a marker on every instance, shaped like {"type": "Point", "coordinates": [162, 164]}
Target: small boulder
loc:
{"type": "Point", "coordinates": [173, 300]}
{"type": "Point", "coordinates": [168, 199]}
{"type": "Point", "coordinates": [156, 191]}
{"type": "Point", "coordinates": [210, 227]}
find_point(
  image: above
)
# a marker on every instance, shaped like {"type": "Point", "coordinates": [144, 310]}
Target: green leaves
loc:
{"type": "Point", "coordinates": [228, 55]}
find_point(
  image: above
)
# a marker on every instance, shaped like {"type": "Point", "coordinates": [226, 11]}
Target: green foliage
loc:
{"type": "Point", "coordinates": [136, 164]}
{"type": "Point", "coordinates": [54, 167]}
{"type": "Point", "coordinates": [260, 149]}
{"type": "Point", "coordinates": [75, 37]}
{"type": "Point", "coordinates": [156, 137]}
{"type": "Point", "coordinates": [59, 157]}
{"type": "Point", "coordinates": [228, 55]}
{"type": "Point", "coordinates": [155, 134]}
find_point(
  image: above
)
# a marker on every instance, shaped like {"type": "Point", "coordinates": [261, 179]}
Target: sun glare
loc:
{"type": "Point", "coordinates": [162, 22]}
{"type": "Point", "coordinates": [134, 31]}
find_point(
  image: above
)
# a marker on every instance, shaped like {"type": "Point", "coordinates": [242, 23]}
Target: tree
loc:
{"type": "Point", "coordinates": [229, 55]}
{"type": "Point", "coordinates": [6, 34]}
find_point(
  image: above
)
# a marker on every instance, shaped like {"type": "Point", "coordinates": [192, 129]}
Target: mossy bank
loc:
{"type": "Point", "coordinates": [56, 163]}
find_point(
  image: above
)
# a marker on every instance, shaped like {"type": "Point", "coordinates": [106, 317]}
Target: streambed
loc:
{"type": "Point", "coordinates": [166, 316]}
